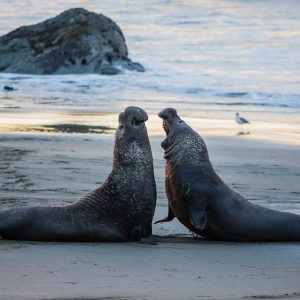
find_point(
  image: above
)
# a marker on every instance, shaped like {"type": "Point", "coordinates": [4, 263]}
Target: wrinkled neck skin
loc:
{"type": "Point", "coordinates": [131, 183]}
{"type": "Point", "coordinates": [132, 156]}
{"type": "Point", "coordinates": [184, 146]}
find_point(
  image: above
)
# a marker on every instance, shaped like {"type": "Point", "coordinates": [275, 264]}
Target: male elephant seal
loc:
{"type": "Point", "coordinates": [204, 203]}
{"type": "Point", "coordinates": [120, 210]}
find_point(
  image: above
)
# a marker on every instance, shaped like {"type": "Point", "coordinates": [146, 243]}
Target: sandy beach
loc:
{"type": "Point", "coordinates": [54, 169]}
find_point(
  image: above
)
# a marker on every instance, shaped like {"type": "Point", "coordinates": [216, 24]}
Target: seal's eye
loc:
{"type": "Point", "coordinates": [121, 127]}
{"type": "Point", "coordinates": [181, 121]}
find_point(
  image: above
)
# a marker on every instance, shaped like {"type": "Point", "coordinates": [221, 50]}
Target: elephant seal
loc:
{"type": "Point", "coordinates": [203, 203]}
{"type": "Point", "coordinates": [120, 210]}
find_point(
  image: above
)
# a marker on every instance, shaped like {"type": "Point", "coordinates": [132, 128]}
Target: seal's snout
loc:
{"type": "Point", "coordinates": [133, 115]}
{"type": "Point", "coordinates": [170, 117]}
{"type": "Point", "coordinates": [168, 113]}
{"type": "Point", "coordinates": [138, 115]}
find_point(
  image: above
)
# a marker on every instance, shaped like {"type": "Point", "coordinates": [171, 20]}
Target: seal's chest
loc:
{"type": "Point", "coordinates": [178, 204]}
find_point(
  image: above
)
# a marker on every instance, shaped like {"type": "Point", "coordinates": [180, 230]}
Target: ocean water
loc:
{"type": "Point", "coordinates": [206, 58]}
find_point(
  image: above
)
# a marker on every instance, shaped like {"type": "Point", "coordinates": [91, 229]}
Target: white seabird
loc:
{"type": "Point", "coordinates": [240, 120]}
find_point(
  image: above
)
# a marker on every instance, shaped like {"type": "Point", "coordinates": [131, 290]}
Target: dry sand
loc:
{"type": "Point", "coordinates": [45, 169]}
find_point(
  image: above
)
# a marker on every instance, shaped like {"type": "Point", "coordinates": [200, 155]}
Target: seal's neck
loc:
{"type": "Point", "coordinates": [133, 159]}
{"type": "Point", "coordinates": [187, 148]}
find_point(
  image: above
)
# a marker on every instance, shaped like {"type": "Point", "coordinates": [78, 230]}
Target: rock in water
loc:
{"type": "Point", "coordinates": [76, 41]}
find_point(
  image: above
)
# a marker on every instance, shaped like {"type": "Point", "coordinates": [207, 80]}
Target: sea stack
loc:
{"type": "Point", "coordinates": [75, 42]}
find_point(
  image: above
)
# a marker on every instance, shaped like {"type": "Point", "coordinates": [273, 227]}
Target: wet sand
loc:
{"type": "Point", "coordinates": [44, 119]}
{"type": "Point", "coordinates": [54, 169]}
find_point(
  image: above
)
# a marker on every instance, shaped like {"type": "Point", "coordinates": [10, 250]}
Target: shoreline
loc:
{"type": "Point", "coordinates": [84, 121]}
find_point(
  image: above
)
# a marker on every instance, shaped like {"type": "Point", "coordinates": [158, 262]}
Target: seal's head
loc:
{"type": "Point", "coordinates": [172, 125]}
{"type": "Point", "coordinates": [182, 144]}
{"type": "Point", "coordinates": [131, 141]}
{"type": "Point", "coordinates": [132, 121]}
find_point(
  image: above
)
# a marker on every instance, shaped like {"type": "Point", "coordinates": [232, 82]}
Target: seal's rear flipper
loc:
{"type": "Point", "coordinates": [198, 218]}
{"type": "Point", "coordinates": [169, 218]}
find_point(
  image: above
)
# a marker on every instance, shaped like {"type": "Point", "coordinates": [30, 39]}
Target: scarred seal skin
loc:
{"type": "Point", "coordinates": [203, 203]}
{"type": "Point", "coordinates": [121, 209]}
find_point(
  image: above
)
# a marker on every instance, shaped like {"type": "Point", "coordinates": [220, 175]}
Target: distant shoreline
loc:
{"type": "Point", "coordinates": [89, 121]}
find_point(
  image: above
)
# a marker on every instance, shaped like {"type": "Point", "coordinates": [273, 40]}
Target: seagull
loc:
{"type": "Point", "coordinates": [8, 89]}
{"type": "Point", "coordinates": [241, 121]}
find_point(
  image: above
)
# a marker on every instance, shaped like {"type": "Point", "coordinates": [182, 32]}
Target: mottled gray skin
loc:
{"type": "Point", "coordinates": [75, 42]}
{"type": "Point", "coordinates": [120, 210]}
{"type": "Point", "coordinates": [203, 203]}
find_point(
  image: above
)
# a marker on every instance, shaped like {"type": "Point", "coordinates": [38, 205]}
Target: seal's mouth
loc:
{"type": "Point", "coordinates": [171, 122]}
{"type": "Point", "coordinates": [166, 127]}
{"type": "Point", "coordinates": [170, 119]}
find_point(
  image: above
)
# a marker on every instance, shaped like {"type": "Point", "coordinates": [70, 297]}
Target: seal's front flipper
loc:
{"type": "Point", "coordinates": [169, 218]}
{"type": "Point", "coordinates": [198, 218]}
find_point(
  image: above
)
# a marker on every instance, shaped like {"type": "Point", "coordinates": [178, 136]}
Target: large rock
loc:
{"type": "Point", "coordinates": [76, 41]}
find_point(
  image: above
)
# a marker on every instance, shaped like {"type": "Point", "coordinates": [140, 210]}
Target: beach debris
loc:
{"type": "Point", "coordinates": [8, 89]}
{"type": "Point", "coordinates": [75, 42]}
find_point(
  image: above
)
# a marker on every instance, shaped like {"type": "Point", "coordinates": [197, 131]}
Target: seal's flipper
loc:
{"type": "Point", "coordinates": [168, 218]}
{"type": "Point", "coordinates": [198, 218]}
